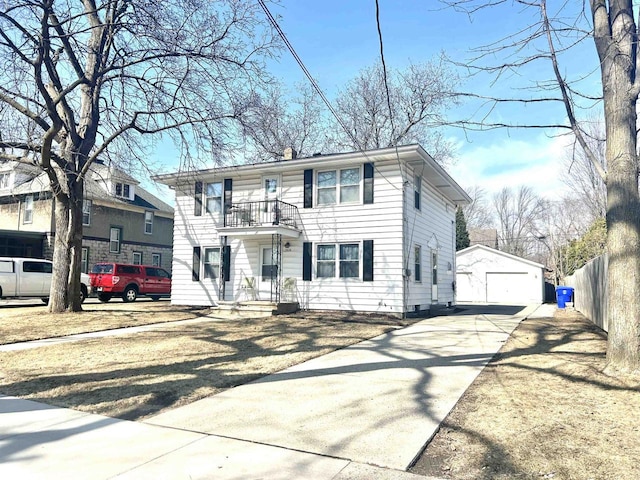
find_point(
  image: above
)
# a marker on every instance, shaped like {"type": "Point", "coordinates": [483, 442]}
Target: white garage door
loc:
{"type": "Point", "coordinates": [510, 288]}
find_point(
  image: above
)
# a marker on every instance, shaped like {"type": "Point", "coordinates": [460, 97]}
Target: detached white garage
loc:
{"type": "Point", "coordinates": [487, 275]}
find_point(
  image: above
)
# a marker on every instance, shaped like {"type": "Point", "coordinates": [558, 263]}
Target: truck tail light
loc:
{"type": "Point", "coordinates": [115, 279]}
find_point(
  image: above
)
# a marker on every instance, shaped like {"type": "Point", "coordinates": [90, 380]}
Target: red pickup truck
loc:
{"type": "Point", "coordinates": [129, 281]}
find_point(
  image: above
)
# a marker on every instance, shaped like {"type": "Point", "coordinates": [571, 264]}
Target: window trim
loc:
{"type": "Point", "coordinates": [118, 240]}
{"type": "Point", "coordinates": [87, 206]}
{"type": "Point", "coordinates": [28, 209]}
{"type": "Point", "coordinates": [146, 223]}
{"type": "Point", "coordinates": [333, 261]}
{"type": "Point", "coordinates": [5, 180]}
{"type": "Point", "coordinates": [338, 187]}
{"type": "Point", "coordinates": [205, 276]}
{"type": "Point", "coordinates": [207, 197]}
{"type": "Point", "coordinates": [338, 262]}
{"type": "Point", "coordinates": [84, 259]}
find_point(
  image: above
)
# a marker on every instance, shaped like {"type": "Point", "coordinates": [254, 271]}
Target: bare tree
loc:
{"type": "Point", "coordinates": [419, 96]}
{"type": "Point", "coordinates": [517, 214]}
{"type": "Point", "coordinates": [477, 212]}
{"type": "Point", "coordinates": [276, 121]}
{"type": "Point", "coordinates": [583, 177]}
{"type": "Point", "coordinates": [86, 79]}
{"type": "Point", "coordinates": [547, 38]}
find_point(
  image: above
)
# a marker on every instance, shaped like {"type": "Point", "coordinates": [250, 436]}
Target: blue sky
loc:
{"type": "Point", "coordinates": [337, 38]}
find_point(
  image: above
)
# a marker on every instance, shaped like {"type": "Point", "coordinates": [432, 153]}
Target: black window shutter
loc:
{"type": "Point", "coordinates": [226, 262]}
{"type": "Point", "coordinates": [197, 195]}
{"type": "Point", "coordinates": [228, 191]}
{"type": "Point", "coordinates": [368, 183]}
{"type": "Point", "coordinates": [308, 188]}
{"type": "Point", "coordinates": [195, 266]}
{"type": "Point", "coordinates": [306, 261]}
{"type": "Point", "coordinates": [367, 261]}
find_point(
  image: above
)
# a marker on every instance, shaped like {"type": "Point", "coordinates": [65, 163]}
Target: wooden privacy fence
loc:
{"type": "Point", "coordinates": [590, 295]}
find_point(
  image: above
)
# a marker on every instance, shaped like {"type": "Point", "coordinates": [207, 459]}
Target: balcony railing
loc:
{"type": "Point", "coordinates": [262, 213]}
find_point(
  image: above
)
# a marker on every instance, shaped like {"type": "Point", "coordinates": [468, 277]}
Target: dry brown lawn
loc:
{"type": "Point", "coordinates": [136, 375]}
{"type": "Point", "coordinates": [542, 409]}
{"type": "Point", "coordinates": [19, 324]}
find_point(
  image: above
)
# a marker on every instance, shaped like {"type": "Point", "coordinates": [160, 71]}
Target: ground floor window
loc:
{"type": "Point", "coordinates": [137, 258]}
{"type": "Point", "coordinates": [346, 263]}
{"type": "Point", "coordinates": [156, 259]}
{"type": "Point", "coordinates": [212, 262]}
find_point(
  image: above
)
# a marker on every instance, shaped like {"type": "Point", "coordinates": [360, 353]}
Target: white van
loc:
{"type": "Point", "coordinates": [31, 277]}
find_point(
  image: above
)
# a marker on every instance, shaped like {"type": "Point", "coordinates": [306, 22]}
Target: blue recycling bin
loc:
{"type": "Point", "coordinates": [563, 295]}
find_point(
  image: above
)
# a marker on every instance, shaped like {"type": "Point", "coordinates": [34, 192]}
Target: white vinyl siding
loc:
{"type": "Point", "coordinates": [334, 224]}
{"type": "Point", "coordinates": [331, 225]}
{"type": "Point", "coordinates": [431, 228]}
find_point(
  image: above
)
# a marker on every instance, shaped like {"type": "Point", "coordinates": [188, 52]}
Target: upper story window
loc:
{"type": "Point", "coordinates": [148, 222]}
{"type": "Point", "coordinates": [28, 209]}
{"type": "Point", "coordinates": [213, 195]}
{"type": "Point", "coordinates": [417, 192]}
{"type": "Point", "coordinates": [86, 212]}
{"type": "Point", "coordinates": [123, 190]}
{"type": "Point", "coordinates": [5, 180]}
{"type": "Point", "coordinates": [339, 186]}
{"type": "Point", "coordinates": [115, 236]}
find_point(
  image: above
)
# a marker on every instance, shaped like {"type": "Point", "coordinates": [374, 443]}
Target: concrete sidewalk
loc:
{"type": "Point", "coordinates": [366, 411]}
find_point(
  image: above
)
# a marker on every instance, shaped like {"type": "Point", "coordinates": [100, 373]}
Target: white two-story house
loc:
{"type": "Point", "coordinates": [366, 231]}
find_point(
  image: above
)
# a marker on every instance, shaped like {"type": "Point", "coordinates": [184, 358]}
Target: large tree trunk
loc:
{"type": "Point", "coordinates": [615, 39]}
{"type": "Point", "coordinates": [67, 254]}
{"type": "Point", "coordinates": [623, 235]}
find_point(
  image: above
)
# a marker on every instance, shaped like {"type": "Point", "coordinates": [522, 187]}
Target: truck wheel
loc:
{"type": "Point", "coordinates": [104, 297]}
{"type": "Point", "coordinates": [130, 294]}
{"type": "Point", "coordinates": [83, 293]}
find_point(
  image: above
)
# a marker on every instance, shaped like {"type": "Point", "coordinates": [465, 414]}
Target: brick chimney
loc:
{"type": "Point", "coordinates": [290, 153]}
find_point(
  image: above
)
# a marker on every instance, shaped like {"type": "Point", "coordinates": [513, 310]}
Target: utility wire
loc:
{"type": "Point", "coordinates": [317, 88]}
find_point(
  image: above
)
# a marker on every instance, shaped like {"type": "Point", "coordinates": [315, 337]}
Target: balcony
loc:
{"type": "Point", "coordinates": [263, 218]}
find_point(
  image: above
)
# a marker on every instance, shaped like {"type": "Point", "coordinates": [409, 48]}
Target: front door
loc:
{"type": "Point", "coordinates": [268, 273]}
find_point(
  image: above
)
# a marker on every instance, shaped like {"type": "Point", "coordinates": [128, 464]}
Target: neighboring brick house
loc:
{"type": "Point", "coordinates": [368, 231]}
{"type": "Point", "coordinates": [122, 222]}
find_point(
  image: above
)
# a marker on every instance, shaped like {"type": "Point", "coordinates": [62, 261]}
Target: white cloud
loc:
{"type": "Point", "coordinates": [537, 162]}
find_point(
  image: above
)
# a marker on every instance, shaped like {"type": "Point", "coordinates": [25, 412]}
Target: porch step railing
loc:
{"type": "Point", "coordinates": [261, 213]}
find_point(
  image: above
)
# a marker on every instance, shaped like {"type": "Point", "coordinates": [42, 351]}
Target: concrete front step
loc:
{"type": "Point", "coordinates": [257, 306]}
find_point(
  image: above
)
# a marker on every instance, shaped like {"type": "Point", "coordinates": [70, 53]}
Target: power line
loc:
{"type": "Point", "coordinates": [317, 88]}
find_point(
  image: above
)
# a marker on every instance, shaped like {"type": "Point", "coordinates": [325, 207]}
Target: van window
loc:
{"type": "Point", "coordinates": [37, 267]}
{"type": "Point", "coordinates": [6, 266]}
{"type": "Point", "coordinates": [102, 268]}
